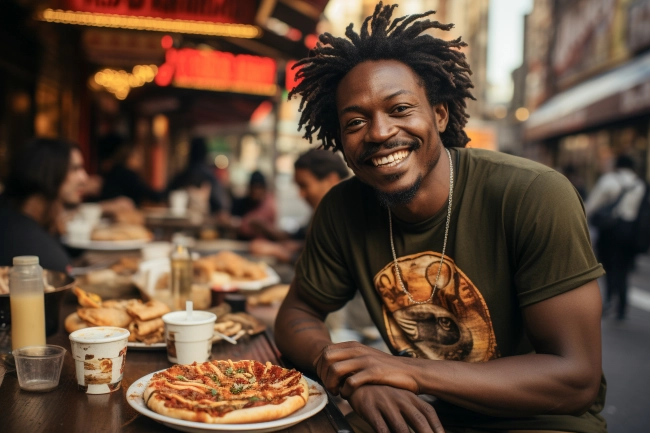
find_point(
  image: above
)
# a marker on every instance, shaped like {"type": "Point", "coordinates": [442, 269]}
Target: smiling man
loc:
{"type": "Point", "coordinates": [476, 266]}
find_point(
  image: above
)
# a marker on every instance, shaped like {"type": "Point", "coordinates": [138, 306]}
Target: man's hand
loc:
{"type": "Point", "coordinates": [389, 409]}
{"type": "Point", "coordinates": [344, 367]}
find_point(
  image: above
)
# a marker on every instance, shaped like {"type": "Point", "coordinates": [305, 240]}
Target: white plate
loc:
{"type": "Point", "coordinates": [156, 267]}
{"type": "Point", "coordinates": [314, 405]}
{"type": "Point", "coordinates": [271, 279]}
{"type": "Point", "coordinates": [106, 245]}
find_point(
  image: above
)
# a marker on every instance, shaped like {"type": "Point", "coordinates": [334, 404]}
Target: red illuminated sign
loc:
{"type": "Point", "coordinates": [217, 70]}
{"type": "Point", "coordinates": [290, 76]}
{"type": "Point", "coordinates": [217, 11]}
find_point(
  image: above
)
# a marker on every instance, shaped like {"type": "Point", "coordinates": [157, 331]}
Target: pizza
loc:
{"type": "Point", "coordinates": [227, 392]}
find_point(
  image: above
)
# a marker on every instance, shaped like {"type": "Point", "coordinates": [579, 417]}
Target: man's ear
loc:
{"type": "Point", "coordinates": [441, 113]}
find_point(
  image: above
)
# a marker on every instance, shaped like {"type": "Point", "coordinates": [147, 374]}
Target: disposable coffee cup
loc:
{"type": "Point", "coordinates": [79, 230]}
{"type": "Point", "coordinates": [91, 213]}
{"type": "Point", "coordinates": [189, 336]}
{"type": "Point", "coordinates": [178, 201]}
{"type": "Point", "coordinates": [99, 355]}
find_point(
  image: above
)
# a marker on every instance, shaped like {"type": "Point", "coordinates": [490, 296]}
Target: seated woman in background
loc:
{"type": "Point", "coordinates": [46, 176]}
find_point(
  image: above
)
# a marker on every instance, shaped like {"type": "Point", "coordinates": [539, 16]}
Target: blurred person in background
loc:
{"type": "Point", "coordinates": [46, 176]}
{"type": "Point", "coordinates": [476, 266]}
{"type": "Point", "coordinates": [198, 177]}
{"type": "Point", "coordinates": [316, 172]}
{"type": "Point", "coordinates": [124, 179]}
{"type": "Point", "coordinates": [255, 209]}
{"type": "Point", "coordinates": [624, 190]}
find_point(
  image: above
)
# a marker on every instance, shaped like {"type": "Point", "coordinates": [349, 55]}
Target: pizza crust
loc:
{"type": "Point", "coordinates": [268, 412]}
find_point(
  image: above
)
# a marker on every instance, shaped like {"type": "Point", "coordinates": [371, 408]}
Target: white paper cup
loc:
{"type": "Point", "coordinates": [91, 213]}
{"type": "Point", "coordinates": [178, 201]}
{"type": "Point", "coordinates": [156, 250]}
{"type": "Point", "coordinates": [189, 340]}
{"type": "Point", "coordinates": [99, 354]}
{"type": "Point", "coordinates": [78, 231]}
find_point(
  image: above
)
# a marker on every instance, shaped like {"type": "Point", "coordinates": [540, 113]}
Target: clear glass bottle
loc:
{"type": "Point", "coordinates": [182, 271]}
{"type": "Point", "coordinates": [27, 299]}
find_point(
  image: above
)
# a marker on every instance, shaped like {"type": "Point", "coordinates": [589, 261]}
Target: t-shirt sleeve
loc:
{"type": "Point", "coordinates": [553, 251]}
{"type": "Point", "coordinates": [321, 270]}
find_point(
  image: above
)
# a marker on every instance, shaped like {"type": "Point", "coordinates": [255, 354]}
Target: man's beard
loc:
{"type": "Point", "coordinates": [401, 197]}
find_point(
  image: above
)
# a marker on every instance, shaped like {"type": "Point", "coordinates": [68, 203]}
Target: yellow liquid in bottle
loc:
{"type": "Point", "coordinates": [181, 282]}
{"type": "Point", "coordinates": [27, 320]}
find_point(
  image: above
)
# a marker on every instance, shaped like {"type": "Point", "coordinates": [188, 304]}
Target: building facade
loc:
{"type": "Point", "coordinates": [588, 85]}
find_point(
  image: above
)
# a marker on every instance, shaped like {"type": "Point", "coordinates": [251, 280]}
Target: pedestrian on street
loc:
{"type": "Point", "coordinates": [619, 192]}
{"type": "Point", "coordinates": [476, 266]}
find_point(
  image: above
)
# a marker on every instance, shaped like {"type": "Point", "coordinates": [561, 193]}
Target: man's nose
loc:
{"type": "Point", "coordinates": [380, 129]}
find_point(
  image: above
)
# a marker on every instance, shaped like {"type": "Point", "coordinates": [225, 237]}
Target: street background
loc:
{"type": "Point", "coordinates": [626, 358]}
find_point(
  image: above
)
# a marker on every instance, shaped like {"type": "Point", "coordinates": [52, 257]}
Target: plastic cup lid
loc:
{"type": "Point", "coordinates": [25, 260]}
{"type": "Point", "coordinates": [100, 334]}
{"type": "Point", "coordinates": [180, 318]}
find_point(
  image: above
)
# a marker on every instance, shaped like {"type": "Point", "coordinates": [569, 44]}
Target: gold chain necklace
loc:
{"type": "Point", "coordinates": [444, 245]}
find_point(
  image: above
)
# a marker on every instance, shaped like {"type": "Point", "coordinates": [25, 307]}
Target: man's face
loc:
{"type": "Point", "coordinates": [73, 186]}
{"type": "Point", "coordinates": [389, 131]}
{"type": "Point", "coordinates": [312, 189]}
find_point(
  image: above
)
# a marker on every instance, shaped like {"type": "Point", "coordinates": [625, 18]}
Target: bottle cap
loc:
{"type": "Point", "coordinates": [25, 260]}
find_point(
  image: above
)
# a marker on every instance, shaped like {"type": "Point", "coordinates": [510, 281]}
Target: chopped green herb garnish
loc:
{"type": "Point", "coordinates": [241, 370]}
{"type": "Point", "coordinates": [229, 371]}
{"type": "Point", "coordinates": [251, 380]}
{"type": "Point", "coordinates": [179, 377]}
{"type": "Point", "coordinates": [214, 378]}
{"type": "Point", "coordinates": [213, 391]}
{"type": "Point", "coordinates": [254, 399]}
{"type": "Point", "coordinates": [236, 388]}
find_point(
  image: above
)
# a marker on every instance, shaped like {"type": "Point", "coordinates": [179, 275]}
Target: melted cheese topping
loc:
{"type": "Point", "coordinates": [222, 386]}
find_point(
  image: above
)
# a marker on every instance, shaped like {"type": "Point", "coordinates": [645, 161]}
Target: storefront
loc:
{"type": "Point", "coordinates": [586, 125]}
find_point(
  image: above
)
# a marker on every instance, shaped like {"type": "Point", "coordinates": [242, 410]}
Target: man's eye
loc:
{"type": "Point", "coordinates": [401, 108]}
{"type": "Point", "coordinates": [356, 122]}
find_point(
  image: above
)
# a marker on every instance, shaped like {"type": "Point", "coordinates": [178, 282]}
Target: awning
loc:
{"type": "Point", "coordinates": [617, 94]}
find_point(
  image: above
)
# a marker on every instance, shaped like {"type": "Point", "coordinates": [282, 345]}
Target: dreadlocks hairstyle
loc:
{"type": "Point", "coordinates": [440, 65]}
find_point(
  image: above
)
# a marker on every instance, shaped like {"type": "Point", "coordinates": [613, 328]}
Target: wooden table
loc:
{"type": "Point", "coordinates": [68, 410]}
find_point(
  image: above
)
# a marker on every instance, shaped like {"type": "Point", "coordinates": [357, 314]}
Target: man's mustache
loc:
{"type": "Point", "coordinates": [376, 147]}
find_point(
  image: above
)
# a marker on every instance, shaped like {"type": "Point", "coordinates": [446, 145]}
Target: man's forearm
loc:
{"type": "Point", "coordinates": [513, 386]}
{"type": "Point", "coordinates": [300, 333]}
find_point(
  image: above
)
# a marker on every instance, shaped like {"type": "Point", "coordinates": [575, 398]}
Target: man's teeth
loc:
{"type": "Point", "coordinates": [390, 160]}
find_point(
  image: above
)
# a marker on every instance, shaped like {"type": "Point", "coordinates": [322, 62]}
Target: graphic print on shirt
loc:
{"type": "Point", "coordinates": [454, 325]}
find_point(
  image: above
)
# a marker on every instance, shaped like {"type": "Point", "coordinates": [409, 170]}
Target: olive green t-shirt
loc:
{"type": "Point", "coordinates": [517, 236]}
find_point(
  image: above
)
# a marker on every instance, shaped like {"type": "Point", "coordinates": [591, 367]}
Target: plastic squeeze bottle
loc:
{"type": "Point", "coordinates": [182, 272]}
{"type": "Point", "coordinates": [27, 299]}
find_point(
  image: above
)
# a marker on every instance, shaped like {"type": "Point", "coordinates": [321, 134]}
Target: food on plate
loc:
{"type": "Point", "coordinates": [74, 323]}
{"type": "Point", "coordinates": [229, 263]}
{"type": "Point", "coordinates": [228, 328]}
{"type": "Point", "coordinates": [148, 326]}
{"type": "Point", "coordinates": [4, 281]}
{"type": "Point", "coordinates": [143, 320]}
{"type": "Point", "coordinates": [269, 296]}
{"type": "Point", "coordinates": [87, 299]}
{"type": "Point", "coordinates": [105, 316]}
{"type": "Point", "coordinates": [121, 232]}
{"type": "Point", "coordinates": [227, 392]}
{"type": "Point", "coordinates": [126, 265]}
{"type": "Point", "coordinates": [148, 311]}
{"type": "Point", "coordinates": [102, 276]}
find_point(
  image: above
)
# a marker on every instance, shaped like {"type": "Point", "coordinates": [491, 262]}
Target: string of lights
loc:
{"type": "Point", "coordinates": [152, 24]}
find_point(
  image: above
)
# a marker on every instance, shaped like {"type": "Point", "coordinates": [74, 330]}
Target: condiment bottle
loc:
{"type": "Point", "coordinates": [181, 261]}
{"type": "Point", "coordinates": [27, 299]}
